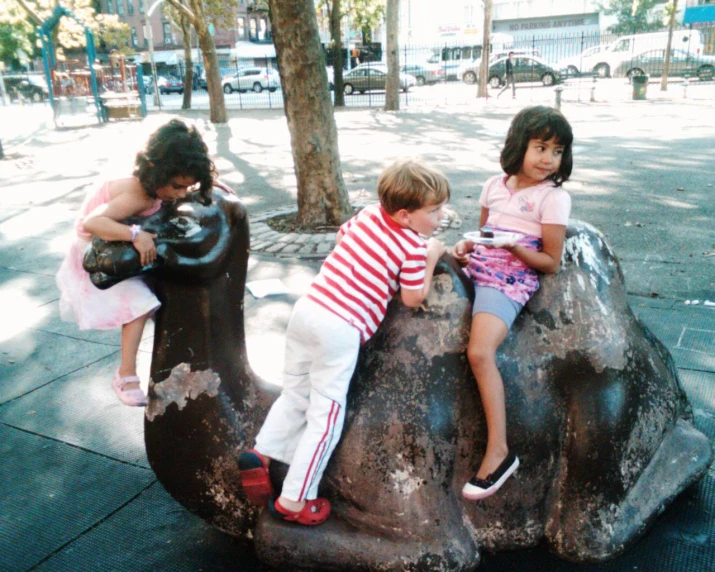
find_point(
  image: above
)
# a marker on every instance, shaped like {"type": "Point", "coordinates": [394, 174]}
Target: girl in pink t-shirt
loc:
{"type": "Point", "coordinates": [175, 160]}
{"type": "Point", "coordinates": [527, 199]}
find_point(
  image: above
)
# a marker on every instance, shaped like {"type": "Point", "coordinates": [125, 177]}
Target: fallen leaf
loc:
{"type": "Point", "coordinates": [680, 189]}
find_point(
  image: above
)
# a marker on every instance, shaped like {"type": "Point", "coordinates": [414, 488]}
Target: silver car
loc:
{"type": "Point", "coordinates": [373, 78]}
{"type": "Point", "coordinates": [251, 79]}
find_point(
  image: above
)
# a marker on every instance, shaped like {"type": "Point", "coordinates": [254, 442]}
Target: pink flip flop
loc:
{"type": "Point", "coordinates": [132, 397]}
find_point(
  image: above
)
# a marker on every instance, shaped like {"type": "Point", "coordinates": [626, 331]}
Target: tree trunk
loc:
{"type": "Point", "coordinates": [336, 34]}
{"type": "Point", "coordinates": [322, 197]}
{"type": "Point", "coordinates": [392, 88]}
{"type": "Point", "coordinates": [666, 64]}
{"type": "Point", "coordinates": [217, 105]}
{"type": "Point", "coordinates": [486, 51]}
{"type": "Point", "coordinates": [189, 71]}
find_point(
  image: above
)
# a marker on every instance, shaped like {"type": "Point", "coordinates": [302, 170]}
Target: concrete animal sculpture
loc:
{"type": "Point", "coordinates": [596, 412]}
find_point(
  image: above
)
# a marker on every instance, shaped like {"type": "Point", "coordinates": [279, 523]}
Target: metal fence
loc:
{"type": "Point", "coordinates": [446, 73]}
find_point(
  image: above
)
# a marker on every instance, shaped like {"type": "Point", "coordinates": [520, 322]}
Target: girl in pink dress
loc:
{"type": "Point", "coordinates": [526, 199]}
{"type": "Point", "coordinates": [174, 162]}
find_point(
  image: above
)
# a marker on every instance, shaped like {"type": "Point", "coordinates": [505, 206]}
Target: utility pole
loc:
{"type": "Point", "coordinates": [666, 66]}
{"type": "Point", "coordinates": [486, 51]}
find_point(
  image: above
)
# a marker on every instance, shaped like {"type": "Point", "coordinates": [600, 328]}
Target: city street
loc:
{"type": "Point", "coordinates": [76, 489]}
{"type": "Point", "coordinates": [458, 93]}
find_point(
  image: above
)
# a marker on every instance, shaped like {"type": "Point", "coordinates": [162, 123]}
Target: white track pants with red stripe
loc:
{"type": "Point", "coordinates": [304, 425]}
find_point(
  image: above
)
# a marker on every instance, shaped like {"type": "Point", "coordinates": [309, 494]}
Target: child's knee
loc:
{"type": "Point", "coordinates": [479, 355]}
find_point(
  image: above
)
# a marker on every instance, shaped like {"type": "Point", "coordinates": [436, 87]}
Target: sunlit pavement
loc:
{"type": "Point", "coordinates": [76, 490]}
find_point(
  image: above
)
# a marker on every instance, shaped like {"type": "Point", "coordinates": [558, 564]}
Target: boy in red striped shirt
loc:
{"type": "Point", "coordinates": [378, 251]}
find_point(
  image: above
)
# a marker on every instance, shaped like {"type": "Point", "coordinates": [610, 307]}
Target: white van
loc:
{"type": "Point", "coordinates": [609, 56]}
{"type": "Point", "coordinates": [451, 56]}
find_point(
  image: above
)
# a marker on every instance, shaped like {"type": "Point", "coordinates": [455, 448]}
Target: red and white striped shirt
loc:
{"type": "Point", "coordinates": [375, 257]}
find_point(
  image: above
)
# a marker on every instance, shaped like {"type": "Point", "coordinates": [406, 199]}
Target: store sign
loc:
{"type": "Point", "coordinates": [548, 24]}
{"type": "Point", "coordinates": [450, 30]}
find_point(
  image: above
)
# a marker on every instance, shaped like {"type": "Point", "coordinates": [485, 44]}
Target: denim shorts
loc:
{"type": "Point", "coordinates": [492, 301]}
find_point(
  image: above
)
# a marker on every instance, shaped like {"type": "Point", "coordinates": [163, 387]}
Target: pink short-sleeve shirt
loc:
{"type": "Point", "coordinates": [526, 210]}
{"type": "Point", "coordinates": [521, 211]}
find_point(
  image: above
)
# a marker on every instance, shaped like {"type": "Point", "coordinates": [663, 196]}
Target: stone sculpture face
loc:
{"type": "Point", "coordinates": [595, 411]}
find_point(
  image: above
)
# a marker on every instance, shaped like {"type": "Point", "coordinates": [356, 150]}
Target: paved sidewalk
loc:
{"type": "Point", "coordinates": [76, 490]}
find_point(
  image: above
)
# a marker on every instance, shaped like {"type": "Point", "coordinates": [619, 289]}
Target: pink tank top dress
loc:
{"type": "Point", "coordinates": [85, 304]}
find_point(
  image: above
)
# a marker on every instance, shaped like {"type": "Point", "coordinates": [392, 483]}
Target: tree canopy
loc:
{"type": "Point", "coordinates": [70, 34]}
{"type": "Point", "coordinates": [632, 15]}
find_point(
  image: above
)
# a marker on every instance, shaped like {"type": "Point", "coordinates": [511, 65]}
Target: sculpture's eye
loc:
{"type": "Point", "coordinates": [185, 226]}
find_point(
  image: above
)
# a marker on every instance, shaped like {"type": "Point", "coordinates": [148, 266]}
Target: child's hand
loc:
{"type": "Point", "coordinates": [461, 251]}
{"type": "Point", "coordinates": [435, 249]}
{"type": "Point", "coordinates": [144, 243]}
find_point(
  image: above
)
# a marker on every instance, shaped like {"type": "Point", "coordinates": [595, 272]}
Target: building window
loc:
{"type": "Point", "coordinates": [262, 30]}
{"type": "Point", "coordinates": [241, 28]}
{"type": "Point", "coordinates": [130, 7]}
{"type": "Point", "coordinates": [469, 15]}
{"type": "Point", "coordinates": [135, 42]}
{"type": "Point", "coordinates": [252, 29]}
{"type": "Point", "coordinates": [120, 7]}
{"type": "Point", "coordinates": [110, 6]}
{"type": "Point", "coordinates": [167, 33]}
{"type": "Point", "coordinates": [142, 6]}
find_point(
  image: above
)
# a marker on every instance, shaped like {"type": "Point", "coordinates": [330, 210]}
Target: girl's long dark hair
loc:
{"type": "Point", "coordinates": [175, 149]}
{"type": "Point", "coordinates": [541, 123]}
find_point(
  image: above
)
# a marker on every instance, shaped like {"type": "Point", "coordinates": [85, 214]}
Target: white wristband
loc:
{"type": "Point", "coordinates": [135, 229]}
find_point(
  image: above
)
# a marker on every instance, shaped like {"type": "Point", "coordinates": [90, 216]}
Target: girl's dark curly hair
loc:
{"type": "Point", "coordinates": [541, 123]}
{"type": "Point", "coordinates": [174, 150]}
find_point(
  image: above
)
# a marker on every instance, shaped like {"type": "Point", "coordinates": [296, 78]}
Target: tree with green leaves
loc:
{"type": "Point", "coordinates": [69, 35]}
{"type": "Point", "coordinates": [366, 15]}
{"type": "Point", "coordinates": [17, 36]}
{"type": "Point", "coordinates": [632, 16]}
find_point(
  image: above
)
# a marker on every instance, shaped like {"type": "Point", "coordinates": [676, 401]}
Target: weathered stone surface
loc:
{"type": "Point", "coordinates": [595, 411]}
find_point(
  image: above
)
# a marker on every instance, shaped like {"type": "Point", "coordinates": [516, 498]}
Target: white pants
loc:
{"type": "Point", "coordinates": [304, 425]}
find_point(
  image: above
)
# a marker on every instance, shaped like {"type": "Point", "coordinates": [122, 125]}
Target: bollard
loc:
{"type": "Point", "coordinates": [2, 153]}
{"type": "Point", "coordinates": [593, 90]}
{"type": "Point", "coordinates": [686, 82]}
{"type": "Point", "coordinates": [557, 91]}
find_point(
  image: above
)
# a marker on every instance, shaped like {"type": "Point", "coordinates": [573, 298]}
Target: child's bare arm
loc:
{"type": "Point", "coordinates": [104, 223]}
{"type": "Point", "coordinates": [548, 260]}
{"type": "Point", "coordinates": [461, 251]}
{"type": "Point", "coordinates": [413, 298]}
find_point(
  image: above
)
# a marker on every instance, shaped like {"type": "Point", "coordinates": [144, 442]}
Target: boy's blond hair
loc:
{"type": "Point", "coordinates": [409, 184]}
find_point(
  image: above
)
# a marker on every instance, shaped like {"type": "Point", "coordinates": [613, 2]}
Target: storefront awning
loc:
{"type": "Point", "coordinates": [249, 50]}
{"type": "Point", "coordinates": [695, 14]}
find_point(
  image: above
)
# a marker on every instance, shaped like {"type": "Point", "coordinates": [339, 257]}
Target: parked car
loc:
{"type": "Point", "coordinates": [424, 73]}
{"type": "Point", "coordinates": [31, 87]}
{"type": "Point", "coordinates": [682, 64]}
{"type": "Point", "coordinates": [256, 79]}
{"type": "Point", "coordinates": [526, 69]}
{"type": "Point", "coordinates": [373, 77]}
{"type": "Point", "coordinates": [469, 71]}
{"type": "Point", "coordinates": [169, 84]}
{"type": "Point", "coordinates": [575, 65]}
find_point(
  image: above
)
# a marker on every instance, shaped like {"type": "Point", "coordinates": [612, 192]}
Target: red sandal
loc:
{"type": "Point", "coordinates": [314, 512]}
{"type": "Point", "coordinates": [254, 478]}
